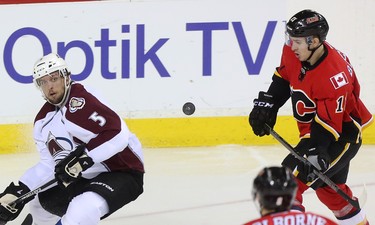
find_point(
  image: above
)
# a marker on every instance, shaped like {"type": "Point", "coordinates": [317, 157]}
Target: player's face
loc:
{"type": "Point", "coordinates": [300, 48]}
{"type": "Point", "coordinates": [53, 87]}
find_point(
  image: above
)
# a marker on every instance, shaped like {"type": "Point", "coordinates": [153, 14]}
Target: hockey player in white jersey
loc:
{"type": "Point", "coordinates": [85, 146]}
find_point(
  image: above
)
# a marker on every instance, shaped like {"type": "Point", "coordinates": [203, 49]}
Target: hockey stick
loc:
{"type": "Point", "coordinates": [321, 176]}
{"type": "Point", "coordinates": [32, 193]}
{"type": "Point", "coordinates": [28, 220]}
{"type": "Point", "coordinates": [28, 195]}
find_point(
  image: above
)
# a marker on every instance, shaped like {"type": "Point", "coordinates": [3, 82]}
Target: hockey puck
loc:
{"type": "Point", "coordinates": [188, 108]}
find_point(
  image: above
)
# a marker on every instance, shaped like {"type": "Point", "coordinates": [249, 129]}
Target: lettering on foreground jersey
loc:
{"type": "Point", "coordinates": [292, 218]}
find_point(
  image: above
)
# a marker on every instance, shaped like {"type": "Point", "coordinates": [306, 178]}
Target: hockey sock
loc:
{"type": "Point", "coordinates": [357, 217]}
{"type": "Point", "coordinates": [339, 206]}
{"type": "Point", "coordinates": [297, 204]}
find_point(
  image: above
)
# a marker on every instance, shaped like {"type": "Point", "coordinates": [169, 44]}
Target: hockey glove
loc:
{"type": "Point", "coordinates": [319, 159]}
{"type": "Point", "coordinates": [70, 168]}
{"type": "Point", "coordinates": [9, 211]}
{"type": "Point", "coordinates": [302, 147]}
{"type": "Point", "coordinates": [264, 112]}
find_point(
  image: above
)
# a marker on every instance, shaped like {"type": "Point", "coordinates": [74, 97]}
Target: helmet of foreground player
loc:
{"type": "Point", "coordinates": [307, 23]}
{"type": "Point", "coordinates": [48, 64]}
{"type": "Point", "coordinates": [274, 189]}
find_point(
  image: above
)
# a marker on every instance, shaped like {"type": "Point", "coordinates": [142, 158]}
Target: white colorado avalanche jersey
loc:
{"type": "Point", "coordinates": [83, 119]}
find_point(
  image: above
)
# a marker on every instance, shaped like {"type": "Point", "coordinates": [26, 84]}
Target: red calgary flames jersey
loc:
{"type": "Point", "coordinates": [297, 218]}
{"type": "Point", "coordinates": [328, 92]}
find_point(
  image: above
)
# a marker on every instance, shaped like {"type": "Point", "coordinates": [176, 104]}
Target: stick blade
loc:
{"type": "Point", "coordinates": [363, 197]}
{"type": "Point", "coordinates": [28, 220]}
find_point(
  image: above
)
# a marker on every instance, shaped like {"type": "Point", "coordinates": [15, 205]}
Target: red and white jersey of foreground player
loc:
{"type": "Point", "coordinates": [292, 218]}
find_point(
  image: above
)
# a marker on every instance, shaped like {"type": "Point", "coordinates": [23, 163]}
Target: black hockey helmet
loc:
{"type": "Point", "coordinates": [274, 189]}
{"type": "Point", "coordinates": [307, 23]}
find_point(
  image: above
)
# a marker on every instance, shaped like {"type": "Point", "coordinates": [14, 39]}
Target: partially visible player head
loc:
{"type": "Point", "coordinates": [306, 31]}
{"type": "Point", "coordinates": [52, 77]}
{"type": "Point", "coordinates": [274, 190]}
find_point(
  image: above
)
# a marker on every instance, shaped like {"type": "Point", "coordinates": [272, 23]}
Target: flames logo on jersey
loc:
{"type": "Point", "coordinates": [339, 80]}
{"type": "Point", "coordinates": [76, 103]}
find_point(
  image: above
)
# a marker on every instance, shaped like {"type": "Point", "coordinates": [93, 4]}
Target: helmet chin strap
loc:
{"type": "Point", "coordinates": [306, 64]}
{"type": "Point", "coordinates": [309, 41]}
{"type": "Point", "coordinates": [66, 92]}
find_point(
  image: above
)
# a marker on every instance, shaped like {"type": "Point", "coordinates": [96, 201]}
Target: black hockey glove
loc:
{"type": "Point", "coordinates": [70, 168]}
{"type": "Point", "coordinates": [264, 112]}
{"type": "Point", "coordinates": [302, 147]}
{"type": "Point", "coordinates": [319, 159]}
{"type": "Point", "coordinates": [9, 211]}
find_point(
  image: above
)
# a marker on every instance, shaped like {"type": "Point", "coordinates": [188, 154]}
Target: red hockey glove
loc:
{"type": "Point", "coordinates": [264, 112]}
{"type": "Point", "coordinates": [70, 168]}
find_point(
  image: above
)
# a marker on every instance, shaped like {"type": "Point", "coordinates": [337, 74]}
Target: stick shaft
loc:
{"type": "Point", "coordinates": [321, 176]}
{"type": "Point", "coordinates": [27, 195]}
{"type": "Point", "coordinates": [33, 192]}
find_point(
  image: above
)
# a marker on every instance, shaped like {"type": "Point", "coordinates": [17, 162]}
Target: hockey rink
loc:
{"type": "Point", "coordinates": [205, 185]}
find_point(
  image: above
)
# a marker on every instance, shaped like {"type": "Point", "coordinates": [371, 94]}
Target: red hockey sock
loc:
{"type": "Point", "coordinates": [297, 204]}
{"type": "Point", "coordinates": [339, 206]}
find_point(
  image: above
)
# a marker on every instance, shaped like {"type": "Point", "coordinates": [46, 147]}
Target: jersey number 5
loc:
{"type": "Point", "coordinates": [97, 118]}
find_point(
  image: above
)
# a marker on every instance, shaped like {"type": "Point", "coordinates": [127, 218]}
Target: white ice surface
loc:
{"type": "Point", "coordinates": [204, 185]}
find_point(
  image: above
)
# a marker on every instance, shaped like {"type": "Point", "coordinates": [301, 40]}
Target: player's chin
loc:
{"type": "Point", "coordinates": [302, 58]}
{"type": "Point", "coordinates": [54, 100]}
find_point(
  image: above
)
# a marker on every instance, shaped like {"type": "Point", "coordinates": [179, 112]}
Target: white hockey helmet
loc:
{"type": "Point", "coordinates": [48, 64]}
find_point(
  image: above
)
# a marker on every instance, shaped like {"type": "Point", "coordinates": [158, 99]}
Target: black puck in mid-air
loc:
{"type": "Point", "coordinates": [188, 108]}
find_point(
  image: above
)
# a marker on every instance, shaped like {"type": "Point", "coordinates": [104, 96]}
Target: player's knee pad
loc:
{"type": "Point", "coordinates": [85, 209]}
{"type": "Point", "coordinates": [40, 215]}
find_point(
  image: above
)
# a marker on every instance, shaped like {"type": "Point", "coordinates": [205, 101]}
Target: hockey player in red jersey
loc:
{"type": "Point", "coordinates": [274, 190]}
{"type": "Point", "coordinates": [330, 115]}
{"type": "Point", "coordinates": [85, 146]}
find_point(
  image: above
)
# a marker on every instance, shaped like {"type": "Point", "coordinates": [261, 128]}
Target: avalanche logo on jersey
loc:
{"type": "Point", "coordinates": [59, 147]}
{"type": "Point", "coordinates": [339, 80]}
{"type": "Point", "coordinates": [76, 103]}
